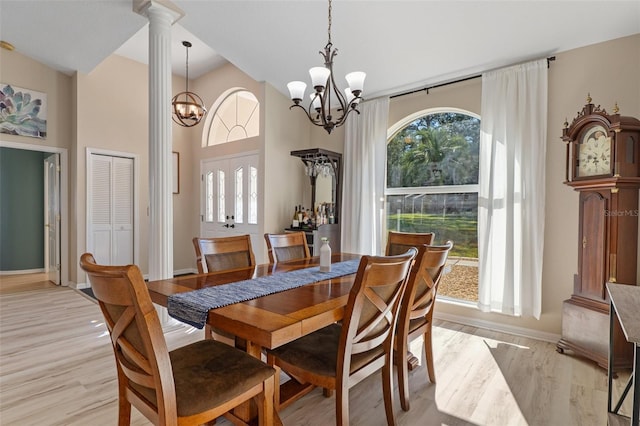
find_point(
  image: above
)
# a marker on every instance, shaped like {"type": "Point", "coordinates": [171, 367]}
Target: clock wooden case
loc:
{"type": "Point", "coordinates": [603, 158]}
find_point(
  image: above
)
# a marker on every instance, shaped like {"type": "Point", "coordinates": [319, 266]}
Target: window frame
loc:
{"type": "Point", "coordinates": [207, 140]}
{"type": "Point", "coordinates": [422, 190]}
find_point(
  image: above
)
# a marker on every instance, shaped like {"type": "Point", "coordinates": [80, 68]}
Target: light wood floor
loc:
{"type": "Point", "coordinates": [57, 368]}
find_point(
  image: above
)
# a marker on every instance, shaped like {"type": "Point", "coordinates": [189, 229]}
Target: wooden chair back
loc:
{"type": "Point", "coordinates": [423, 282]}
{"type": "Point", "coordinates": [223, 253]}
{"type": "Point", "coordinates": [142, 359]}
{"type": "Point", "coordinates": [368, 327]}
{"type": "Point", "coordinates": [372, 308]}
{"type": "Point", "coordinates": [400, 242]}
{"type": "Point", "coordinates": [287, 246]}
{"type": "Point", "coordinates": [341, 355]}
{"type": "Point", "coordinates": [416, 311]}
{"type": "Point", "coordinates": [191, 385]}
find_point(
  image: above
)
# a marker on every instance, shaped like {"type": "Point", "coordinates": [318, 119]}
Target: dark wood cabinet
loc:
{"type": "Point", "coordinates": [602, 164]}
{"type": "Point", "coordinates": [324, 169]}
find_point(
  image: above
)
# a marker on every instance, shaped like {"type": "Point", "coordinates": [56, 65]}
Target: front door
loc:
{"type": "Point", "coordinates": [230, 199]}
{"type": "Point", "coordinates": [52, 217]}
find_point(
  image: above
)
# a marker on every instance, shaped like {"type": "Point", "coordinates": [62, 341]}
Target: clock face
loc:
{"type": "Point", "coordinates": [594, 152]}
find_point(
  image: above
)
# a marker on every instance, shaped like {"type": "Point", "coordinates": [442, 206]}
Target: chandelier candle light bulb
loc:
{"type": "Point", "coordinates": [322, 80]}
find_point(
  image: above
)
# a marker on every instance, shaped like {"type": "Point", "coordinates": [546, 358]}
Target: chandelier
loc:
{"type": "Point", "coordinates": [188, 108]}
{"type": "Point", "coordinates": [324, 85]}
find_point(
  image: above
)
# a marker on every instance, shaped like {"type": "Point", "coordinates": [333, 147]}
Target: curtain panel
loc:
{"type": "Point", "coordinates": [364, 156]}
{"type": "Point", "coordinates": [511, 198]}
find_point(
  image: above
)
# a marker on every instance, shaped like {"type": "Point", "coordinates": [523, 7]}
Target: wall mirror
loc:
{"type": "Point", "coordinates": [323, 168]}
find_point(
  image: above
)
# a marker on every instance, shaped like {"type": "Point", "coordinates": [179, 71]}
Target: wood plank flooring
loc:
{"type": "Point", "coordinates": [57, 368]}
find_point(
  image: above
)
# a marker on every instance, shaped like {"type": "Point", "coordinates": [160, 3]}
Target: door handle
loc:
{"type": "Point", "coordinates": [226, 225]}
{"type": "Point", "coordinates": [232, 225]}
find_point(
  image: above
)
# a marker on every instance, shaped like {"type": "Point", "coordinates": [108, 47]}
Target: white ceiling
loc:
{"type": "Point", "coordinates": [400, 44]}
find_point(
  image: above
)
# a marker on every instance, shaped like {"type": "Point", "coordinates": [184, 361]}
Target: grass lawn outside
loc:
{"type": "Point", "coordinates": [462, 281]}
{"type": "Point", "coordinates": [462, 229]}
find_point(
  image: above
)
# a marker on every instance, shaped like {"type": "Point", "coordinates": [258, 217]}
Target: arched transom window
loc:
{"type": "Point", "coordinates": [236, 117]}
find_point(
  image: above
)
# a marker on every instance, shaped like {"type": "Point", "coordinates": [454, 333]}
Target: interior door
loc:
{"type": "Point", "coordinates": [52, 217]}
{"type": "Point", "coordinates": [110, 217]}
{"type": "Point", "coordinates": [229, 203]}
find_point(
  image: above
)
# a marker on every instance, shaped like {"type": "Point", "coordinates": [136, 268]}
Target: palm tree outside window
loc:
{"type": "Point", "coordinates": [432, 186]}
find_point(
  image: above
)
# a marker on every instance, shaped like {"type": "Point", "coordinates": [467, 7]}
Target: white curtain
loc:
{"type": "Point", "coordinates": [364, 156]}
{"type": "Point", "coordinates": [511, 194]}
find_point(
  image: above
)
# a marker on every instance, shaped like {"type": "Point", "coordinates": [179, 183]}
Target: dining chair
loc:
{"type": "Point", "coordinates": [416, 312]}
{"type": "Point", "coordinates": [339, 356]}
{"type": "Point", "coordinates": [191, 385]}
{"type": "Point", "coordinates": [223, 253]}
{"type": "Point", "coordinates": [400, 242]}
{"type": "Point", "coordinates": [287, 246]}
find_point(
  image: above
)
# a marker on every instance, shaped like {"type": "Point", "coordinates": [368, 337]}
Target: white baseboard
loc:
{"type": "Point", "coordinates": [23, 271]}
{"type": "Point", "coordinates": [186, 271]}
{"type": "Point", "coordinates": [503, 328]}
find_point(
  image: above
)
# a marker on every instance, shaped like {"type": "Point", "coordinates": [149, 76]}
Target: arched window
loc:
{"type": "Point", "coordinates": [432, 186]}
{"type": "Point", "coordinates": [235, 115]}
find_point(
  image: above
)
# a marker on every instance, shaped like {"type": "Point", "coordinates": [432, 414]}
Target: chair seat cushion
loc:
{"type": "Point", "coordinates": [208, 373]}
{"type": "Point", "coordinates": [318, 352]}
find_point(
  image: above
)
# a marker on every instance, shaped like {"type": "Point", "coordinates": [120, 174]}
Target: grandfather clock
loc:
{"type": "Point", "coordinates": [602, 160]}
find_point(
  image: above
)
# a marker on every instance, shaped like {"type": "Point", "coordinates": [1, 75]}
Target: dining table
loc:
{"type": "Point", "coordinates": [272, 320]}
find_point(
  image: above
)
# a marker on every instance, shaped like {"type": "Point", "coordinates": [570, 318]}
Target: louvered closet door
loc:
{"type": "Point", "coordinates": [111, 212]}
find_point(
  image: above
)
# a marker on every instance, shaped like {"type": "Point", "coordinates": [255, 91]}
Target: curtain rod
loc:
{"type": "Point", "coordinates": [435, 86]}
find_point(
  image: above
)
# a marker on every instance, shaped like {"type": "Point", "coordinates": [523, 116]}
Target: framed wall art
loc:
{"type": "Point", "coordinates": [23, 112]}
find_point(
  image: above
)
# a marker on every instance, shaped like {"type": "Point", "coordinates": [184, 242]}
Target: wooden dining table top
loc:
{"type": "Point", "coordinates": [273, 320]}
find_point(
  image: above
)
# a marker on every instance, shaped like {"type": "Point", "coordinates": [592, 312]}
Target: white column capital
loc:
{"type": "Point", "coordinates": [144, 7]}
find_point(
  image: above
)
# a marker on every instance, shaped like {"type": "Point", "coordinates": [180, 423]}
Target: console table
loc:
{"type": "Point", "coordinates": [624, 304]}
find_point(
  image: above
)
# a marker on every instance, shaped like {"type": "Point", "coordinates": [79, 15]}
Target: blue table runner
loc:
{"type": "Point", "coordinates": [192, 307]}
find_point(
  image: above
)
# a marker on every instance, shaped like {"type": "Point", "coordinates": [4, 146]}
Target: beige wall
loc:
{"type": "Point", "coordinates": [112, 115]}
{"type": "Point", "coordinates": [19, 70]}
{"type": "Point", "coordinates": [281, 131]}
{"type": "Point", "coordinates": [111, 105]}
{"type": "Point", "coordinates": [285, 182]}
{"type": "Point", "coordinates": [571, 77]}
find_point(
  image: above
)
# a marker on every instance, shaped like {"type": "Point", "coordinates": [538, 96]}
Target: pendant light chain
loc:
{"type": "Point", "coordinates": [187, 85]}
{"type": "Point", "coordinates": [329, 29]}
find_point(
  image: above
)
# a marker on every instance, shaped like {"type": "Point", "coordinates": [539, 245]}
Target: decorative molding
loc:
{"type": "Point", "coordinates": [142, 7]}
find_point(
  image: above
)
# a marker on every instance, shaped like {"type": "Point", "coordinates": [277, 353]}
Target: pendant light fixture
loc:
{"type": "Point", "coordinates": [188, 108]}
{"type": "Point", "coordinates": [324, 85]}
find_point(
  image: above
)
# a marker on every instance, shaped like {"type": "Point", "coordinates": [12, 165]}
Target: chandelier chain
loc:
{"type": "Point", "coordinates": [329, 28]}
{"type": "Point", "coordinates": [187, 84]}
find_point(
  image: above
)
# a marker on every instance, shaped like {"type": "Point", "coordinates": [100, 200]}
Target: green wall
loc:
{"type": "Point", "coordinates": [21, 209]}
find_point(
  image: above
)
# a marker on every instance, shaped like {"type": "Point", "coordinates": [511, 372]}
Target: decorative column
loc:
{"type": "Point", "coordinates": [161, 15]}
